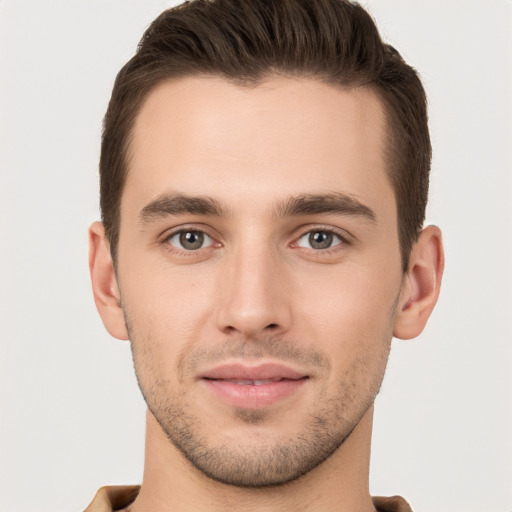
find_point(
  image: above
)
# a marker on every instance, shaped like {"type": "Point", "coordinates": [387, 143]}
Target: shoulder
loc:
{"type": "Point", "coordinates": [391, 504]}
{"type": "Point", "coordinates": [113, 497]}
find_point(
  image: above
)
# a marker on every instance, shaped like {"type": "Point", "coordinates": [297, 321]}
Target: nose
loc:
{"type": "Point", "coordinates": [254, 298]}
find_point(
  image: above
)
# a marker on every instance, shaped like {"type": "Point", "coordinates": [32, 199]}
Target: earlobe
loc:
{"type": "Point", "coordinates": [421, 286]}
{"type": "Point", "coordinates": [104, 283]}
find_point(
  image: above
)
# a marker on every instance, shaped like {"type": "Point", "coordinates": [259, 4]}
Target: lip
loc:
{"type": "Point", "coordinates": [262, 371]}
{"type": "Point", "coordinates": [235, 384]}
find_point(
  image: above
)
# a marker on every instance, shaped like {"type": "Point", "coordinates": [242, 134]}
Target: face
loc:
{"type": "Point", "coordinates": [259, 270]}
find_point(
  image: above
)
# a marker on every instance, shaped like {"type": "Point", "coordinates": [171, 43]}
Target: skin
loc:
{"type": "Point", "coordinates": [259, 288]}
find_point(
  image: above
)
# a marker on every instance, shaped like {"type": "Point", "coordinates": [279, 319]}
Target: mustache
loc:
{"type": "Point", "coordinates": [270, 347]}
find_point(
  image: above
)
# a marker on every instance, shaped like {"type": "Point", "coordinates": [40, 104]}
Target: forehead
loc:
{"type": "Point", "coordinates": [207, 136]}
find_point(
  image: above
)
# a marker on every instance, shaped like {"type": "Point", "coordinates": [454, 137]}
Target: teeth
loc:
{"type": "Point", "coordinates": [252, 382]}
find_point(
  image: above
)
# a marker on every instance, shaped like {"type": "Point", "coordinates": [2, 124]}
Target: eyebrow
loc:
{"type": "Point", "coordinates": [300, 205]}
{"type": "Point", "coordinates": [179, 204]}
{"type": "Point", "coordinates": [334, 203]}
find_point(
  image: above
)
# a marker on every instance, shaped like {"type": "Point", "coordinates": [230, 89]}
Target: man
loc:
{"type": "Point", "coordinates": [264, 176]}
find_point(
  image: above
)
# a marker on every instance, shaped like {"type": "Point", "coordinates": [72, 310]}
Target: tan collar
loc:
{"type": "Point", "coordinates": [118, 497]}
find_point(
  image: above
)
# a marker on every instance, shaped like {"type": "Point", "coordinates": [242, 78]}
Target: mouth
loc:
{"type": "Point", "coordinates": [253, 387]}
{"type": "Point", "coordinates": [255, 382]}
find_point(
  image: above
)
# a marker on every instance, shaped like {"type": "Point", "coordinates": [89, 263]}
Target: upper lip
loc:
{"type": "Point", "coordinates": [264, 371]}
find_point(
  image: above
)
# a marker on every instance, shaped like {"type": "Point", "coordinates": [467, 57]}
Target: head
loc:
{"type": "Point", "coordinates": [332, 41]}
{"type": "Point", "coordinates": [264, 174]}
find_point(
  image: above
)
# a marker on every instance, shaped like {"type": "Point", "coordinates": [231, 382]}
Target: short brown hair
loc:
{"type": "Point", "coordinates": [246, 41]}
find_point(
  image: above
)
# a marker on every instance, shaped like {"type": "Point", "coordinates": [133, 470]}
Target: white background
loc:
{"type": "Point", "coordinates": [71, 415]}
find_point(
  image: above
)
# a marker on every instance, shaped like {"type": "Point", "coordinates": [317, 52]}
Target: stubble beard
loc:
{"type": "Point", "coordinates": [259, 464]}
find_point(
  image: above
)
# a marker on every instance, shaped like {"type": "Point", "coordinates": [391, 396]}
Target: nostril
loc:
{"type": "Point", "coordinates": [271, 326]}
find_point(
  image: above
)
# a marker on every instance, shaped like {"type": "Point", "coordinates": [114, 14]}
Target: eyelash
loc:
{"type": "Point", "coordinates": [166, 241]}
{"type": "Point", "coordinates": [344, 241]}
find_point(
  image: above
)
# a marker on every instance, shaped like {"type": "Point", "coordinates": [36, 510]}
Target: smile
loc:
{"type": "Point", "coordinates": [253, 387]}
{"type": "Point", "coordinates": [245, 382]}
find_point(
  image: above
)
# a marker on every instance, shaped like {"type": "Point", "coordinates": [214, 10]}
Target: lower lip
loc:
{"type": "Point", "coordinates": [251, 396]}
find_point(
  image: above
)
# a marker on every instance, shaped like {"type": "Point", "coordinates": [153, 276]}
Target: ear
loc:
{"type": "Point", "coordinates": [421, 285]}
{"type": "Point", "coordinates": [104, 283]}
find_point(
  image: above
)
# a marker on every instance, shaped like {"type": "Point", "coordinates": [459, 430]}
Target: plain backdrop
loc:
{"type": "Point", "coordinates": [72, 418]}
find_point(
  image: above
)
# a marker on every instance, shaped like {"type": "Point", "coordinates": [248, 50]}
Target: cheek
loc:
{"type": "Point", "coordinates": [352, 309]}
{"type": "Point", "coordinates": [158, 290]}
{"type": "Point", "coordinates": [166, 309]}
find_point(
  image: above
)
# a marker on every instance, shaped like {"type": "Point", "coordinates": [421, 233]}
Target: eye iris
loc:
{"type": "Point", "coordinates": [191, 240]}
{"type": "Point", "coordinates": [320, 239]}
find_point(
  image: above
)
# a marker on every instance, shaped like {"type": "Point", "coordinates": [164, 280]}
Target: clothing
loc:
{"type": "Point", "coordinates": [112, 498]}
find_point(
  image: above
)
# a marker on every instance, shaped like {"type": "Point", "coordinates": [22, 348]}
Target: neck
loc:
{"type": "Point", "coordinates": [338, 484]}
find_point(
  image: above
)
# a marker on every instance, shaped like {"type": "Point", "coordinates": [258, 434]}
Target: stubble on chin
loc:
{"type": "Point", "coordinates": [255, 461]}
{"type": "Point", "coordinates": [250, 416]}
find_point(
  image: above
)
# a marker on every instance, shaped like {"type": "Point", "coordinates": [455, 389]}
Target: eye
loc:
{"type": "Point", "coordinates": [319, 239]}
{"type": "Point", "coordinates": [190, 240]}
